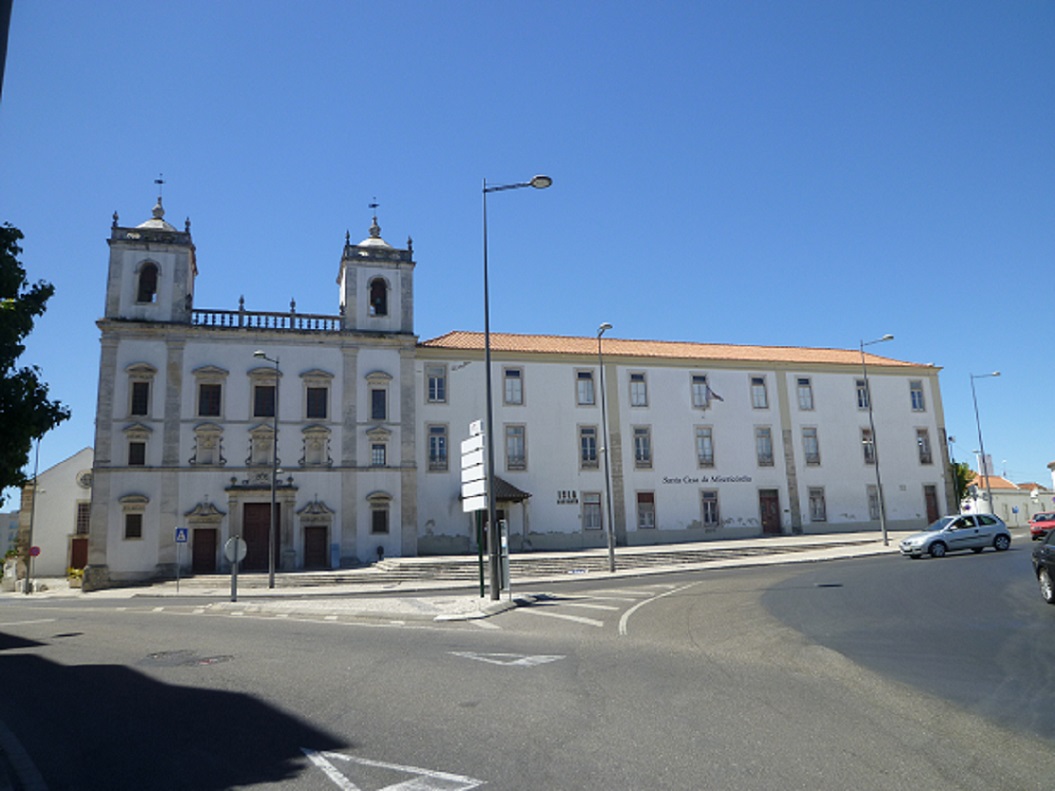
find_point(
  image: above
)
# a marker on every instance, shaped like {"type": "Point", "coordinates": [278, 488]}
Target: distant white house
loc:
{"type": "Point", "coordinates": [1015, 503]}
{"type": "Point", "coordinates": [59, 520]}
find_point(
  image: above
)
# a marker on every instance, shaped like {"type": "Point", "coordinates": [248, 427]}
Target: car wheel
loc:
{"type": "Point", "coordinates": [937, 549]}
{"type": "Point", "coordinates": [1047, 587]}
{"type": "Point", "coordinates": [1000, 543]}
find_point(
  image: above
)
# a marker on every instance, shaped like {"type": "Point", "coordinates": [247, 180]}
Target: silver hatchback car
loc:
{"type": "Point", "coordinates": [962, 531]}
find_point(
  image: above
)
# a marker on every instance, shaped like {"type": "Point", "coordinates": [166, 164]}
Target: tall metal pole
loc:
{"type": "Point", "coordinates": [985, 464]}
{"type": "Point", "coordinates": [604, 434]}
{"type": "Point", "coordinates": [492, 524]}
{"type": "Point", "coordinates": [274, 475]}
{"type": "Point", "coordinates": [32, 516]}
{"type": "Point", "coordinates": [538, 182]}
{"type": "Point", "coordinates": [271, 528]}
{"type": "Point", "coordinates": [875, 445]}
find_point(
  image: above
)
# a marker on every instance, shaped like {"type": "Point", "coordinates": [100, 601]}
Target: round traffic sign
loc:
{"type": "Point", "coordinates": [234, 550]}
{"type": "Point", "coordinates": [34, 551]}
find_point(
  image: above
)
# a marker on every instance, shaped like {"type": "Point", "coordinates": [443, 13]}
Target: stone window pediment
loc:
{"type": "Point", "coordinates": [210, 372]}
{"type": "Point", "coordinates": [379, 434]}
{"type": "Point", "coordinates": [141, 370]}
{"type": "Point", "coordinates": [137, 431]}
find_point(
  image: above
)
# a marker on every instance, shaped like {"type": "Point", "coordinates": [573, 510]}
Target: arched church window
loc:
{"type": "Point", "coordinates": [148, 283]}
{"type": "Point", "coordinates": [378, 297]}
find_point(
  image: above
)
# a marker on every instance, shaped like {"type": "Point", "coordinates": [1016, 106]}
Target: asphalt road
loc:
{"type": "Point", "coordinates": [740, 679]}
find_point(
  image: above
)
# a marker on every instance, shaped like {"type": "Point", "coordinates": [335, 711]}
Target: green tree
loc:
{"type": "Point", "coordinates": [962, 475]}
{"type": "Point", "coordinates": [25, 411]}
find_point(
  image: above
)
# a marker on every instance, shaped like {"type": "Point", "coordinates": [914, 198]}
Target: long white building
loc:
{"type": "Point", "coordinates": [705, 440]}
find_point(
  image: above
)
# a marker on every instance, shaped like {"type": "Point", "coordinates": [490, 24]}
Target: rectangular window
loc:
{"type": "Point", "coordinates": [140, 404]}
{"type": "Point", "coordinates": [818, 509]}
{"type": "Point", "coordinates": [209, 399]}
{"type": "Point", "coordinates": [379, 520]}
{"type": "Point", "coordinates": [642, 447]}
{"type": "Point", "coordinates": [811, 446]}
{"type": "Point", "coordinates": [701, 393]}
{"type": "Point", "coordinates": [873, 503]}
{"type": "Point", "coordinates": [378, 403]}
{"type": "Point", "coordinates": [805, 388]}
{"type": "Point", "coordinates": [868, 445]}
{"type": "Point", "coordinates": [923, 441]}
{"type": "Point", "coordinates": [263, 401]}
{"type": "Point", "coordinates": [516, 448]}
{"type": "Point", "coordinates": [764, 446]}
{"type": "Point", "coordinates": [437, 447]}
{"type": "Point", "coordinates": [84, 511]}
{"type": "Point", "coordinates": [137, 454]}
{"type": "Point", "coordinates": [317, 403]}
{"type": "Point", "coordinates": [915, 389]}
{"type": "Point", "coordinates": [436, 381]}
{"type": "Point", "coordinates": [513, 379]}
{"type": "Point", "coordinates": [759, 397]}
{"type": "Point", "coordinates": [584, 392]}
{"type": "Point", "coordinates": [646, 510]}
{"type": "Point", "coordinates": [588, 447]}
{"type": "Point", "coordinates": [378, 454]}
{"type": "Point", "coordinates": [133, 525]}
{"type": "Point", "coordinates": [638, 390]}
{"type": "Point", "coordinates": [862, 394]}
{"type": "Point", "coordinates": [709, 509]}
{"type": "Point", "coordinates": [591, 510]}
{"type": "Point", "coordinates": [705, 446]}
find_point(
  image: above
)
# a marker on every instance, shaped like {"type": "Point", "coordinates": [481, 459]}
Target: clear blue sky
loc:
{"type": "Point", "coordinates": [807, 173]}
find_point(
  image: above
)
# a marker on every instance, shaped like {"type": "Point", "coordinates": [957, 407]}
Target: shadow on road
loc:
{"type": "Point", "coordinates": [111, 727]}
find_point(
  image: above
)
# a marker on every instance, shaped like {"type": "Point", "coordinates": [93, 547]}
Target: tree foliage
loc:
{"type": "Point", "coordinates": [25, 411]}
{"type": "Point", "coordinates": [962, 475]}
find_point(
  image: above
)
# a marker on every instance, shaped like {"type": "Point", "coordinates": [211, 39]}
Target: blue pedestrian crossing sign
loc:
{"type": "Point", "coordinates": [181, 535]}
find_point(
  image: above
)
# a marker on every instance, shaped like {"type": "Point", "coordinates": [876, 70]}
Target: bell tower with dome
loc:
{"type": "Point", "coordinates": [377, 285]}
{"type": "Point", "coordinates": [152, 271]}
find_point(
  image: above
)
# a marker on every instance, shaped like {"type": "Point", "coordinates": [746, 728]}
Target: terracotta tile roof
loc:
{"type": "Point", "coordinates": [459, 340]}
{"type": "Point", "coordinates": [995, 482]}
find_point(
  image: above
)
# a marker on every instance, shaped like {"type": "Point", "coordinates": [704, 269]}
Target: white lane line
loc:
{"type": "Point", "coordinates": [549, 614]}
{"type": "Point", "coordinates": [624, 593]}
{"type": "Point", "coordinates": [481, 624]}
{"type": "Point", "coordinates": [583, 604]}
{"type": "Point", "coordinates": [626, 616]}
{"type": "Point", "coordinates": [338, 779]}
{"type": "Point", "coordinates": [27, 623]}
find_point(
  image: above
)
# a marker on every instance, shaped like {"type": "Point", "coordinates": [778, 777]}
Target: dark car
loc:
{"type": "Point", "coordinates": [1041, 524]}
{"type": "Point", "coordinates": [1044, 567]}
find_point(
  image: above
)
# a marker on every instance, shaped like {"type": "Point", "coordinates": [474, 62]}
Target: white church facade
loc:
{"type": "Point", "coordinates": [704, 440]}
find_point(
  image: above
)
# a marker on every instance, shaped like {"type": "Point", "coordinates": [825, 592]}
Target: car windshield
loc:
{"type": "Point", "coordinates": [1044, 517]}
{"type": "Point", "coordinates": [942, 523]}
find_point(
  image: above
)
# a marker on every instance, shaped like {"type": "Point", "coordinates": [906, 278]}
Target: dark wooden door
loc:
{"type": "Point", "coordinates": [769, 507]}
{"type": "Point", "coordinates": [316, 555]}
{"type": "Point", "coordinates": [930, 495]}
{"type": "Point", "coordinates": [203, 551]}
{"type": "Point", "coordinates": [78, 553]}
{"type": "Point", "coordinates": [254, 530]}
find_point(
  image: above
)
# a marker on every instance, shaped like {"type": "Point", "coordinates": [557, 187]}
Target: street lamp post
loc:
{"type": "Point", "coordinates": [985, 464]}
{"type": "Point", "coordinates": [538, 182]}
{"type": "Point", "coordinates": [274, 476]}
{"type": "Point", "coordinates": [872, 428]}
{"type": "Point", "coordinates": [604, 434]}
{"type": "Point", "coordinates": [32, 516]}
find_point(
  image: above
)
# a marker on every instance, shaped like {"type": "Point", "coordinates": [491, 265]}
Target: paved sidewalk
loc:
{"type": "Point", "coordinates": [411, 589]}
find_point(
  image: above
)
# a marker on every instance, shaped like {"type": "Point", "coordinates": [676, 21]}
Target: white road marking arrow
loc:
{"type": "Point", "coordinates": [422, 779]}
{"type": "Point", "coordinates": [509, 660]}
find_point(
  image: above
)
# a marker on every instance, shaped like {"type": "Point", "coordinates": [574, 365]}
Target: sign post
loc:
{"type": "Point", "coordinates": [234, 550]}
{"type": "Point", "coordinates": [181, 539]}
{"type": "Point", "coordinates": [474, 486]}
